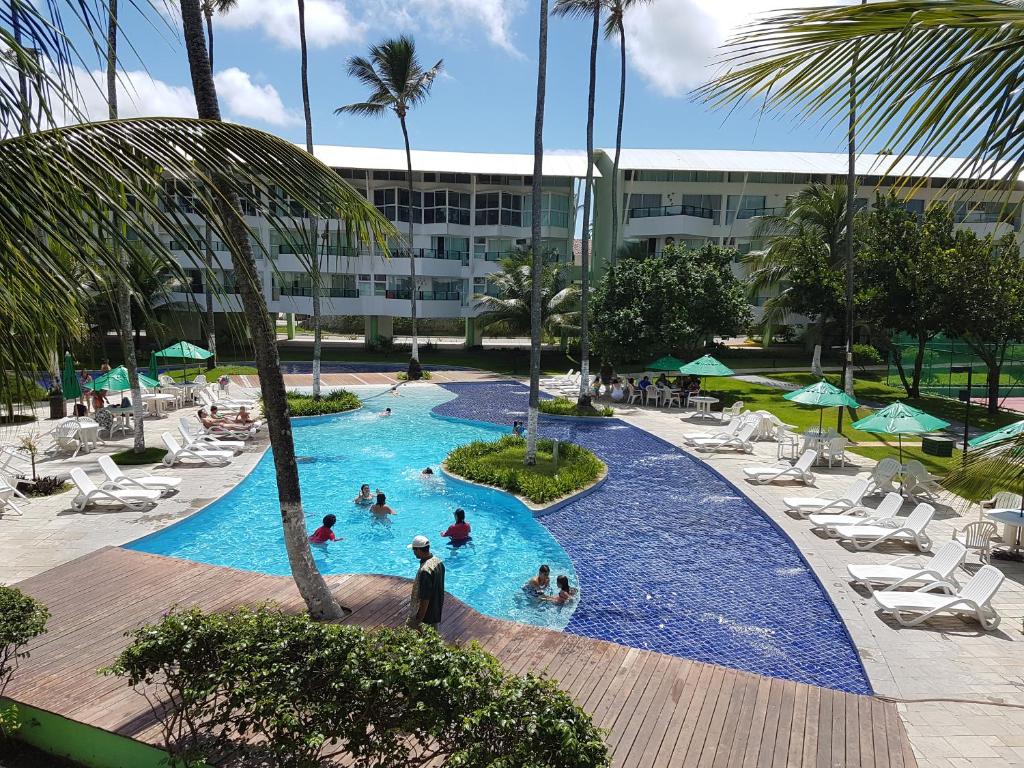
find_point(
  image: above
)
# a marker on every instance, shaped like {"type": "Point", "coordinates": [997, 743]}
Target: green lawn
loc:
{"type": "Point", "coordinates": [213, 374]}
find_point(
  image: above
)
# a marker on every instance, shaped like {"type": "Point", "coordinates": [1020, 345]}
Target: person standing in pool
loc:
{"type": "Point", "coordinates": [537, 585]}
{"type": "Point", "coordinates": [365, 498]}
{"type": "Point", "coordinates": [517, 428]}
{"type": "Point", "coordinates": [385, 413]}
{"type": "Point", "coordinates": [381, 508]}
{"type": "Point", "coordinates": [427, 588]}
{"type": "Point", "coordinates": [323, 534]}
{"type": "Point", "coordinates": [458, 533]}
{"type": "Point", "coordinates": [565, 592]}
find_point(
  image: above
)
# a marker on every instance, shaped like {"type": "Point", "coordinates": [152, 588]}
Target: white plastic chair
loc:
{"type": "Point", "coordinates": [118, 480]}
{"type": "Point", "coordinates": [975, 600]}
{"type": "Point", "coordinates": [835, 450]}
{"type": "Point", "coordinates": [672, 397]}
{"type": "Point", "coordinates": [910, 570]}
{"type": "Point", "coordinates": [7, 494]}
{"type": "Point", "coordinates": [176, 453]}
{"type": "Point", "coordinates": [65, 438]}
{"type": "Point", "coordinates": [741, 441]}
{"type": "Point", "coordinates": [978, 536]}
{"type": "Point", "coordinates": [1003, 500]}
{"type": "Point", "coordinates": [201, 440]}
{"type": "Point", "coordinates": [800, 471]}
{"type": "Point", "coordinates": [808, 505]}
{"type": "Point", "coordinates": [787, 443]}
{"type": "Point", "coordinates": [734, 410]}
{"type": "Point", "coordinates": [89, 493]}
{"type": "Point", "coordinates": [652, 393]}
{"type": "Point", "coordinates": [912, 531]}
{"type": "Point", "coordinates": [889, 507]}
{"type": "Point", "coordinates": [883, 475]}
{"type": "Point", "coordinates": [918, 481]}
{"type": "Point", "coordinates": [634, 394]}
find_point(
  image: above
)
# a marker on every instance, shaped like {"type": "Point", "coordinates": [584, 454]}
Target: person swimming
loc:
{"type": "Point", "coordinates": [381, 508]}
{"type": "Point", "coordinates": [517, 428]}
{"type": "Point", "coordinates": [323, 534]}
{"type": "Point", "coordinates": [458, 532]}
{"type": "Point", "coordinates": [565, 592]}
{"type": "Point", "coordinates": [537, 585]}
{"type": "Point", "coordinates": [386, 412]}
{"type": "Point", "coordinates": [365, 498]}
{"type": "Point", "coordinates": [428, 472]}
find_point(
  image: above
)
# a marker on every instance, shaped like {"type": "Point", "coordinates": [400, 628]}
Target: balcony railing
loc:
{"type": "Point", "coordinates": [431, 253]}
{"type": "Point", "coordinates": [425, 295]}
{"type": "Point", "coordinates": [672, 210]}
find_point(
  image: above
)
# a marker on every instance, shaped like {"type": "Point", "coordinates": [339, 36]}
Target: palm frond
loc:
{"type": "Point", "coordinates": [575, 9]}
{"type": "Point", "coordinates": [364, 108]}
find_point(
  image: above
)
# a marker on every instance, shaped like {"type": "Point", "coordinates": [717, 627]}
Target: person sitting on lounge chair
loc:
{"type": "Point", "coordinates": [210, 421]}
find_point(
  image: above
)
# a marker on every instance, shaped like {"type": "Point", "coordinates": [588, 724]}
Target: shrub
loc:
{"type": "Point", "coordinates": [43, 486]}
{"type": "Point", "coordinates": [500, 463]}
{"type": "Point", "coordinates": [865, 354]}
{"type": "Point", "coordinates": [338, 401]}
{"type": "Point", "coordinates": [21, 619]}
{"type": "Point", "coordinates": [263, 687]}
{"type": "Point", "coordinates": [563, 406]}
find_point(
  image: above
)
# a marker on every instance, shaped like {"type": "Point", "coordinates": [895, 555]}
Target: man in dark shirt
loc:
{"type": "Point", "coordinates": [428, 586]}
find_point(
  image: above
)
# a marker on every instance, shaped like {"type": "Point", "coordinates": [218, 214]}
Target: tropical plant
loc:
{"type": "Point", "coordinates": [152, 282]}
{"type": "Point", "coordinates": [21, 619]}
{"type": "Point", "coordinates": [397, 83]}
{"type": "Point", "coordinates": [537, 260]}
{"type": "Point", "coordinates": [313, 694]}
{"type": "Point", "coordinates": [337, 401]}
{"type": "Point", "coordinates": [615, 26]}
{"type": "Point", "coordinates": [586, 9]}
{"type": "Point", "coordinates": [514, 304]}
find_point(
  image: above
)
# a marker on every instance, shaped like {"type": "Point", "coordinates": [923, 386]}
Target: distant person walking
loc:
{"type": "Point", "coordinates": [427, 588]}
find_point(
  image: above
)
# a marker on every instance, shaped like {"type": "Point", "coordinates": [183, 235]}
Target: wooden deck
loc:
{"type": "Point", "coordinates": [660, 710]}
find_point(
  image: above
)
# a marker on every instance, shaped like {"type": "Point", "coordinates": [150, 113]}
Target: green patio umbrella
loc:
{"type": "Point", "coordinates": [900, 419]}
{"type": "Point", "coordinates": [666, 363]}
{"type": "Point", "coordinates": [68, 380]}
{"type": "Point", "coordinates": [184, 351]}
{"type": "Point", "coordinates": [116, 380]}
{"type": "Point", "coordinates": [706, 366]}
{"type": "Point", "coordinates": [821, 396]}
{"type": "Point", "coordinates": [998, 435]}
{"type": "Point", "coordinates": [154, 370]}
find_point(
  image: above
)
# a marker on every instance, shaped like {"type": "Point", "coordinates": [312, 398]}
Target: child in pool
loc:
{"type": "Point", "coordinates": [381, 509]}
{"type": "Point", "coordinates": [565, 592]}
{"type": "Point", "coordinates": [323, 534]}
{"type": "Point", "coordinates": [458, 532]}
{"type": "Point", "coordinates": [365, 498]}
{"type": "Point", "coordinates": [386, 412]}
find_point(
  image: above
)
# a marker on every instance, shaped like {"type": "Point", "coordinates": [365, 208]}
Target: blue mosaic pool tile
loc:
{"type": "Point", "coordinates": [672, 558]}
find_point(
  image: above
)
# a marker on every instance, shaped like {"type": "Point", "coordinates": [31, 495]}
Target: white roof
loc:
{"type": "Point", "coordinates": [560, 164]}
{"type": "Point", "coordinates": [785, 162]}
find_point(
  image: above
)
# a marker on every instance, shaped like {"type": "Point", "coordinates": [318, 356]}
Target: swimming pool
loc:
{"type": "Point", "coordinates": [243, 528]}
{"type": "Point", "coordinates": [669, 555]}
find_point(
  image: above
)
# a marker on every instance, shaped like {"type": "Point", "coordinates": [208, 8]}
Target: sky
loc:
{"type": "Point", "coordinates": [484, 101]}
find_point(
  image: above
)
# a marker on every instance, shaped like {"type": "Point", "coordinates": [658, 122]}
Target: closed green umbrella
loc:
{"type": "Point", "coordinates": [821, 395]}
{"type": "Point", "coordinates": [900, 419]}
{"type": "Point", "coordinates": [68, 380]}
{"type": "Point", "coordinates": [666, 363]}
{"type": "Point", "coordinates": [998, 435]}
{"type": "Point", "coordinates": [154, 371]}
{"type": "Point", "coordinates": [706, 366]}
{"type": "Point", "coordinates": [116, 380]}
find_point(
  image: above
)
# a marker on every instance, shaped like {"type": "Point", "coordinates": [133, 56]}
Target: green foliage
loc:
{"type": "Point", "coordinates": [211, 375]}
{"type": "Point", "coordinates": [21, 619]}
{"type": "Point", "coordinates": [648, 307]}
{"type": "Point", "coordinates": [130, 458]}
{"type": "Point", "coordinates": [45, 486]}
{"type": "Point", "coordinates": [338, 401]}
{"type": "Point", "coordinates": [500, 463]}
{"type": "Point", "coordinates": [865, 354]}
{"type": "Point", "coordinates": [261, 685]}
{"type": "Point", "coordinates": [424, 376]}
{"type": "Point", "coordinates": [559, 302]}
{"type": "Point", "coordinates": [563, 406]}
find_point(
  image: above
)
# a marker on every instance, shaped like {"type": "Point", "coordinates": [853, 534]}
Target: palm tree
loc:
{"type": "Point", "coordinates": [584, 9]}
{"type": "Point", "coordinates": [555, 307]}
{"type": "Point", "coordinates": [397, 83]}
{"type": "Point", "coordinates": [615, 25]}
{"type": "Point", "coordinates": [209, 8]}
{"type": "Point", "coordinates": [537, 258]}
{"type": "Point", "coordinates": [814, 217]}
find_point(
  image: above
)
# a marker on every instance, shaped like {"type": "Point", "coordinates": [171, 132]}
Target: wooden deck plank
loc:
{"type": "Point", "coordinates": [661, 711]}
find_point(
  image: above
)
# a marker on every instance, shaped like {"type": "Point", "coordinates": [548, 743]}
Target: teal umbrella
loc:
{"type": "Point", "coordinates": [821, 396]}
{"type": "Point", "coordinates": [68, 380]}
{"type": "Point", "coordinates": [666, 363]}
{"type": "Point", "coordinates": [184, 351]}
{"type": "Point", "coordinates": [706, 366]}
{"type": "Point", "coordinates": [900, 419]}
{"type": "Point", "coordinates": [116, 380]}
{"type": "Point", "coordinates": [998, 435]}
{"type": "Point", "coordinates": [154, 371]}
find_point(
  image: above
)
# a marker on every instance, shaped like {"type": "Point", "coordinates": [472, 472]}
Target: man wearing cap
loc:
{"type": "Point", "coordinates": [427, 587]}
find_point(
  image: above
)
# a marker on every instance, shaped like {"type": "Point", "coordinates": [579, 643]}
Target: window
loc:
{"type": "Point", "coordinates": [283, 205]}
{"type": "Point", "coordinates": [915, 207]}
{"type": "Point", "coordinates": [512, 209]}
{"type": "Point", "coordinates": [644, 205]}
{"type": "Point", "coordinates": [554, 210]}
{"type": "Point", "coordinates": [555, 181]}
{"type": "Point", "coordinates": [443, 205]}
{"type": "Point", "coordinates": [699, 177]}
{"type": "Point", "coordinates": [352, 174]}
{"type": "Point", "coordinates": [744, 207]}
{"type": "Point", "coordinates": [769, 178]}
{"type": "Point", "coordinates": [389, 176]}
{"type": "Point", "coordinates": [179, 195]}
{"type": "Point", "coordinates": [454, 178]}
{"type": "Point", "coordinates": [394, 204]}
{"type": "Point", "coordinates": [493, 180]}
{"type": "Point", "coordinates": [488, 205]}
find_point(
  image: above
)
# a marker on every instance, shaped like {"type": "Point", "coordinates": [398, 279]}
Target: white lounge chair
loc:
{"type": "Point", "coordinates": [809, 505]}
{"type": "Point", "coordinates": [90, 493]}
{"type": "Point", "coordinates": [7, 494]}
{"type": "Point", "coordinates": [910, 570]}
{"type": "Point", "coordinates": [887, 510]}
{"type": "Point", "coordinates": [741, 441]}
{"type": "Point", "coordinates": [216, 434]}
{"type": "Point", "coordinates": [176, 453]}
{"type": "Point", "coordinates": [800, 471]}
{"type": "Point", "coordinates": [912, 530]}
{"type": "Point", "coordinates": [207, 398]}
{"type": "Point", "coordinates": [918, 481]}
{"type": "Point", "coordinates": [198, 440]}
{"type": "Point", "coordinates": [883, 475]}
{"type": "Point", "coordinates": [974, 600]}
{"type": "Point", "coordinates": [117, 479]}
{"type": "Point", "coordinates": [734, 428]}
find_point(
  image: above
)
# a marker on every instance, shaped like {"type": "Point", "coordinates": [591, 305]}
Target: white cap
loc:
{"type": "Point", "coordinates": [420, 542]}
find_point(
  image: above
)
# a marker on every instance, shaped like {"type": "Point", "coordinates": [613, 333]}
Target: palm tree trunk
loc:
{"type": "Point", "coordinates": [415, 354]}
{"type": "Point", "coordinates": [315, 255]}
{"type": "Point", "coordinates": [208, 12]}
{"type": "Point", "coordinates": [311, 585]}
{"type": "Point", "coordinates": [618, 140]}
{"type": "Point", "coordinates": [584, 398]}
{"type": "Point", "coordinates": [26, 120]}
{"type": "Point", "coordinates": [124, 289]}
{"type": "Point", "coordinates": [537, 265]}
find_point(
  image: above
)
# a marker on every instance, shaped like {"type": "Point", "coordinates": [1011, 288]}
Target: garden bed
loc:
{"type": "Point", "coordinates": [130, 458]}
{"type": "Point", "coordinates": [500, 464]}
{"type": "Point", "coordinates": [337, 401]}
{"type": "Point", "coordinates": [563, 406]}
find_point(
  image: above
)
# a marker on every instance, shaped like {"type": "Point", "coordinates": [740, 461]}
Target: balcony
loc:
{"type": "Point", "coordinates": [673, 210]}
{"type": "Point", "coordinates": [424, 295]}
{"type": "Point", "coordinates": [431, 253]}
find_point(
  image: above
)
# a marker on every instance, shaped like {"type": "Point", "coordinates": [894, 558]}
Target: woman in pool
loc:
{"type": "Point", "coordinates": [381, 508]}
{"type": "Point", "coordinates": [565, 592]}
{"type": "Point", "coordinates": [517, 428]}
{"type": "Point", "coordinates": [537, 585]}
{"type": "Point", "coordinates": [323, 534]}
{"type": "Point", "coordinates": [385, 413]}
{"type": "Point", "coordinates": [458, 532]}
{"type": "Point", "coordinates": [365, 498]}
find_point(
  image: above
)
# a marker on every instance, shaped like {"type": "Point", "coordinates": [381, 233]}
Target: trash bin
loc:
{"type": "Point", "coordinates": [937, 446]}
{"type": "Point", "coordinates": [57, 409]}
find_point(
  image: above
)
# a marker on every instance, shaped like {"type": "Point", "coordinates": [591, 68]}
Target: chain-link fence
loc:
{"type": "Point", "coordinates": [943, 354]}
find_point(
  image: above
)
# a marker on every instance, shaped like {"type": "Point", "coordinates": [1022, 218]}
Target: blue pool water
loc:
{"type": "Point", "coordinates": [669, 556]}
{"type": "Point", "coordinates": [243, 528]}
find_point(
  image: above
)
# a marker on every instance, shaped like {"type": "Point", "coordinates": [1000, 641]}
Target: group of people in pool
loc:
{"type": "Point", "coordinates": [539, 587]}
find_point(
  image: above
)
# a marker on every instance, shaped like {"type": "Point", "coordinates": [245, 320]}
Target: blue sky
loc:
{"type": "Point", "coordinates": [485, 100]}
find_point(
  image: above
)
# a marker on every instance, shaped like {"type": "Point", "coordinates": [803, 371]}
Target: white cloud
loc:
{"type": "Point", "coordinates": [245, 99]}
{"type": "Point", "coordinates": [328, 22]}
{"type": "Point", "coordinates": [672, 44]}
{"type": "Point", "coordinates": [446, 17]}
{"type": "Point", "coordinates": [139, 94]}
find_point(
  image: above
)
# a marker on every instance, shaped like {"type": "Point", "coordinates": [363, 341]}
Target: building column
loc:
{"type": "Point", "coordinates": [379, 329]}
{"type": "Point", "coordinates": [290, 320]}
{"type": "Point", "coordinates": [474, 333]}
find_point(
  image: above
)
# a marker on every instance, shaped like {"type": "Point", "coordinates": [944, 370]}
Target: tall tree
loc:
{"type": "Point", "coordinates": [313, 588]}
{"type": "Point", "coordinates": [537, 257]}
{"type": "Point", "coordinates": [124, 287]}
{"type": "Point", "coordinates": [515, 304]}
{"type": "Point", "coordinates": [397, 83]}
{"type": "Point", "coordinates": [314, 254]}
{"type": "Point", "coordinates": [586, 9]}
{"type": "Point", "coordinates": [615, 26]}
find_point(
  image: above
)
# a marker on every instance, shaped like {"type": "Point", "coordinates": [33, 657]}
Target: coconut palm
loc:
{"type": "Point", "coordinates": [397, 83]}
{"type": "Point", "coordinates": [515, 305]}
{"type": "Point", "coordinates": [615, 26]}
{"type": "Point", "coordinates": [209, 8]}
{"type": "Point", "coordinates": [587, 9]}
{"type": "Point", "coordinates": [537, 257]}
